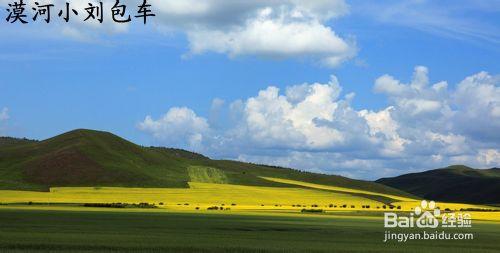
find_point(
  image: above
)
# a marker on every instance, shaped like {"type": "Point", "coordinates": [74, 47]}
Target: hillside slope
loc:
{"type": "Point", "coordinates": [94, 158]}
{"type": "Point", "coordinates": [452, 184]}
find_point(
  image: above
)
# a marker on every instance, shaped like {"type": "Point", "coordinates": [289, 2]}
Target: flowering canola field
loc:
{"type": "Point", "coordinates": [200, 196]}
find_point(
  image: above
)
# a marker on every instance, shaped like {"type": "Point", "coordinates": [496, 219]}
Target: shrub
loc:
{"type": "Point", "coordinates": [107, 205]}
{"type": "Point", "coordinates": [479, 209]}
{"type": "Point", "coordinates": [144, 205]}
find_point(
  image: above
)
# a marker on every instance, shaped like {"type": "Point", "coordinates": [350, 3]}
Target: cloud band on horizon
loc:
{"type": "Point", "coordinates": [312, 127]}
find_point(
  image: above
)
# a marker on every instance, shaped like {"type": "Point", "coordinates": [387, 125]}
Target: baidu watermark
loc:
{"type": "Point", "coordinates": [427, 216]}
{"type": "Point", "coordinates": [424, 235]}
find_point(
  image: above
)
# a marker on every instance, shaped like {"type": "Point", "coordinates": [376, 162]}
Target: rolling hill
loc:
{"type": "Point", "coordinates": [452, 184]}
{"type": "Point", "coordinates": [94, 158]}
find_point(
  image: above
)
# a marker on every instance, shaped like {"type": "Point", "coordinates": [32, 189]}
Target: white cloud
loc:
{"type": "Point", "coordinates": [478, 100]}
{"type": "Point", "coordinates": [489, 157]}
{"type": "Point", "coordinates": [177, 127]}
{"type": "Point", "coordinates": [224, 13]}
{"type": "Point", "coordinates": [275, 35]}
{"type": "Point", "coordinates": [311, 126]}
{"type": "Point", "coordinates": [382, 125]}
{"type": "Point", "coordinates": [278, 120]}
{"type": "Point", "coordinates": [416, 97]}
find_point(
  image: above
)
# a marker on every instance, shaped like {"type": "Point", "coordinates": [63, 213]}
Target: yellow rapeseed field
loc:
{"type": "Point", "coordinates": [200, 196]}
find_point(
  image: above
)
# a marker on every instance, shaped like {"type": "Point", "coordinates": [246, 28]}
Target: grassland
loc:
{"type": "Point", "coordinates": [80, 231]}
{"type": "Point", "coordinates": [254, 219]}
{"type": "Point", "coordinates": [81, 192]}
{"type": "Point", "coordinates": [203, 174]}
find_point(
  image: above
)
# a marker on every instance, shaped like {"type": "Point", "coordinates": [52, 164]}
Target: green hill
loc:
{"type": "Point", "coordinates": [94, 158]}
{"type": "Point", "coordinates": [453, 184]}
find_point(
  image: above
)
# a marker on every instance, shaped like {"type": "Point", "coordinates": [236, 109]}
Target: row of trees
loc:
{"type": "Point", "coordinates": [120, 205]}
{"type": "Point", "coordinates": [222, 206]}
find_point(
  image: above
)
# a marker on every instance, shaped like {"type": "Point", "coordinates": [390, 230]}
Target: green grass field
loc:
{"type": "Point", "coordinates": [80, 231]}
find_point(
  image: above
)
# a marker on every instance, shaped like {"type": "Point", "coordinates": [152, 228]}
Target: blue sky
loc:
{"type": "Point", "coordinates": [108, 79]}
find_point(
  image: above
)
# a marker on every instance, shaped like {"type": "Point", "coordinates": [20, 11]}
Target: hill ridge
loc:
{"type": "Point", "coordinates": [456, 183]}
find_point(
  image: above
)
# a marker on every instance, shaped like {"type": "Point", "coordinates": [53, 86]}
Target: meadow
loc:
{"type": "Point", "coordinates": [81, 231]}
{"type": "Point", "coordinates": [248, 219]}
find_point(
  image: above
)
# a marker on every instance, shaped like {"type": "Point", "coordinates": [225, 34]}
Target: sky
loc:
{"type": "Point", "coordinates": [363, 89]}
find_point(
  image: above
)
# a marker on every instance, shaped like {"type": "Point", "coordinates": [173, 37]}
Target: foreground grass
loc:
{"type": "Point", "coordinates": [79, 231]}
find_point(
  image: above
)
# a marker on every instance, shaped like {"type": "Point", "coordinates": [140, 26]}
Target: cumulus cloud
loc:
{"type": "Point", "coordinates": [478, 100]}
{"type": "Point", "coordinates": [179, 126]}
{"type": "Point", "coordinates": [313, 126]}
{"type": "Point", "coordinates": [489, 157]}
{"type": "Point", "coordinates": [275, 34]}
{"type": "Point", "coordinates": [224, 13]}
{"type": "Point", "coordinates": [384, 129]}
